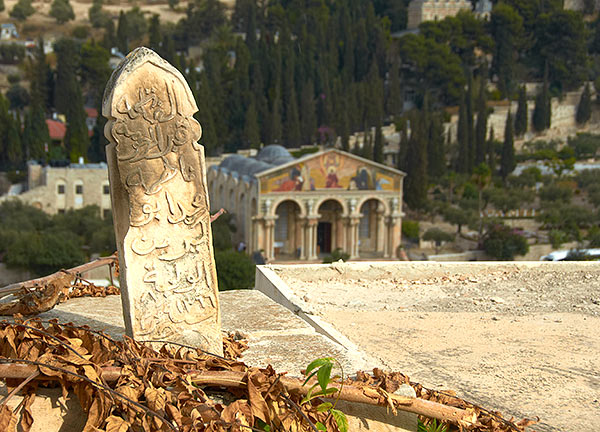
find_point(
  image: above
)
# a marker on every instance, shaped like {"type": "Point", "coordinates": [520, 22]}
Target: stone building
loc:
{"type": "Point", "coordinates": [300, 209]}
{"type": "Point", "coordinates": [56, 189]}
{"type": "Point", "coordinates": [434, 10]}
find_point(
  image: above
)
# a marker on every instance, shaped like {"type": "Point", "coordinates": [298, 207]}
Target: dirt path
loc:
{"type": "Point", "coordinates": [523, 342]}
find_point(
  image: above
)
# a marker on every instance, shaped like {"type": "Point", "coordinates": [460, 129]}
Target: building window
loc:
{"type": "Point", "coordinates": [61, 211]}
{"type": "Point", "coordinates": [106, 190]}
{"type": "Point", "coordinates": [61, 189]}
{"type": "Point", "coordinates": [79, 189]}
{"type": "Point", "coordinates": [106, 213]}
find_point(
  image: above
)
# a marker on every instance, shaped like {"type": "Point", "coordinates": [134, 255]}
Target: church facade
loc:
{"type": "Point", "coordinates": [303, 209]}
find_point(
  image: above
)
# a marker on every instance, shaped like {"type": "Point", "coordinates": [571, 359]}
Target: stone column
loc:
{"type": "Point", "coordinates": [380, 230]}
{"type": "Point", "coordinates": [353, 223]}
{"type": "Point", "coordinates": [312, 238]}
{"type": "Point", "coordinates": [393, 236]}
{"type": "Point", "coordinates": [160, 205]}
{"type": "Point", "coordinates": [269, 237]}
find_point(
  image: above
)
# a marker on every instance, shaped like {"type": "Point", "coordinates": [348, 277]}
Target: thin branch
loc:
{"type": "Point", "coordinates": [297, 408]}
{"type": "Point", "coordinates": [19, 387]}
{"type": "Point", "coordinates": [16, 287]}
{"type": "Point", "coordinates": [184, 346]}
{"type": "Point", "coordinates": [95, 384]}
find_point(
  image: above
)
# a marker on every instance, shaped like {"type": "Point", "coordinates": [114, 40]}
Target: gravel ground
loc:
{"type": "Point", "coordinates": [519, 339]}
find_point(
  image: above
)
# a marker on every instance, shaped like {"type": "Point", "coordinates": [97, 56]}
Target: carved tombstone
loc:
{"type": "Point", "coordinates": [160, 205]}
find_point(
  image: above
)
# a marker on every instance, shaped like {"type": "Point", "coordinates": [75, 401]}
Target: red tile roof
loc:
{"type": "Point", "coordinates": [91, 112]}
{"type": "Point", "coordinates": [56, 129]}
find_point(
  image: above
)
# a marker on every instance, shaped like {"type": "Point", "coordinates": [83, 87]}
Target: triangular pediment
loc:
{"type": "Point", "coordinates": [330, 169]}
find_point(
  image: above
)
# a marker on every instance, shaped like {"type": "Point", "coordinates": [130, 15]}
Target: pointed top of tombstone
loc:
{"type": "Point", "coordinates": [160, 205]}
{"type": "Point", "coordinates": [134, 60]}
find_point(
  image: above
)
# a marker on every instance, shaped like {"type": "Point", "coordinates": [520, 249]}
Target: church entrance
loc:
{"type": "Point", "coordinates": [330, 227]}
{"type": "Point", "coordinates": [324, 237]}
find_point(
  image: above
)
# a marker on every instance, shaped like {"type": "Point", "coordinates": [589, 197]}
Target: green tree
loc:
{"type": "Point", "coordinates": [507, 159]}
{"type": "Point", "coordinates": [251, 132]}
{"type": "Point", "coordinates": [98, 17]}
{"type": "Point", "coordinates": [542, 110]}
{"type": "Point", "coordinates": [439, 237]}
{"type": "Point", "coordinates": [481, 126]}
{"type": "Point", "coordinates": [503, 243]}
{"type": "Point", "coordinates": [69, 98]}
{"type": "Point", "coordinates": [22, 10]}
{"type": "Point", "coordinates": [560, 45]}
{"type": "Point", "coordinates": [462, 137]}
{"type": "Point", "coordinates": [506, 26]}
{"type": "Point", "coordinates": [521, 117]}
{"type": "Point", "coordinates": [584, 109]}
{"type": "Point", "coordinates": [436, 155]}
{"type": "Point", "coordinates": [35, 133]}
{"type": "Point", "coordinates": [378, 145]}
{"type": "Point", "coordinates": [62, 11]}
{"type": "Point", "coordinates": [18, 97]}
{"type": "Point", "coordinates": [416, 182]}
{"type": "Point", "coordinates": [154, 33]}
{"type": "Point", "coordinates": [235, 270]}
{"type": "Point", "coordinates": [308, 119]}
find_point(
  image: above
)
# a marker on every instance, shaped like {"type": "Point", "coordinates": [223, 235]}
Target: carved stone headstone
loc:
{"type": "Point", "coordinates": [160, 205]}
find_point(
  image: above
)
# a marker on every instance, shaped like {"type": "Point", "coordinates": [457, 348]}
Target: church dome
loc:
{"type": "Point", "coordinates": [274, 154]}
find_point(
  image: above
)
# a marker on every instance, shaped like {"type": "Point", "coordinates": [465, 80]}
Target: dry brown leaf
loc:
{"type": "Point", "coordinates": [8, 421]}
{"type": "Point", "coordinates": [26, 415]}
{"type": "Point", "coordinates": [116, 424]}
{"type": "Point", "coordinates": [258, 405]}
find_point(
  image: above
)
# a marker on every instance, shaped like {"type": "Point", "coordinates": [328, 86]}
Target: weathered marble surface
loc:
{"type": "Point", "coordinates": [160, 204]}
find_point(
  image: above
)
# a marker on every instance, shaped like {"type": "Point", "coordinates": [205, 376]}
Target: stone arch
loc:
{"type": "Point", "coordinates": [371, 228]}
{"type": "Point", "coordinates": [330, 227]}
{"type": "Point", "coordinates": [384, 203]}
{"type": "Point", "coordinates": [341, 202]}
{"type": "Point", "coordinates": [288, 229]}
{"type": "Point", "coordinates": [299, 203]}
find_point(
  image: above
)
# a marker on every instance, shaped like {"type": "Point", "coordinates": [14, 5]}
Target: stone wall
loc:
{"type": "Point", "coordinates": [56, 189]}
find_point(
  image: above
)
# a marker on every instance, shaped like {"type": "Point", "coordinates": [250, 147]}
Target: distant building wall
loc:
{"type": "Point", "coordinates": [433, 10]}
{"type": "Point", "coordinates": [56, 189]}
{"type": "Point", "coordinates": [578, 4]}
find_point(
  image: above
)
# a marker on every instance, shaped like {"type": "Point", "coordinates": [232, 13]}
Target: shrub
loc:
{"type": "Point", "coordinates": [235, 270]}
{"type": "Point", "coordinates": [504, 243]}
{"type": "Point", "coordinates": [410, 230]}
{"type": "Point", "coordinates": [335, 256]}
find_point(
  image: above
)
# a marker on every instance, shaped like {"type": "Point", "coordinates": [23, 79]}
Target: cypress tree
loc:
{"type": "Point", "coordinates": [154, 33]}
{"type": "Point", "coordinates": [481, 126]}
{"type": "Point", "coordinates": [403, 147]}
{"type": "Point", "coordinates": [378, 145]}
{"type": "Point", "coordinates": [344, 131]}
{"type": "Point", "coordinates": [308, 120]}
{"type": "Point", "coordinates": [123, 33]}
{"type": "Point", "coordinates": [491, 151]}
{"type": "Point", "coordinates": [584, 109]}
{"type": "Point", "coordinates": [251, 132]}
{"type": "Point", "coordinates": [394, 102]}
{"type": "Point", "coordinates": [13, 142]}
{"type": "Point", "coordinates": [292, 121]}
{"type": "Point", "coordinates": [521, 117]}
{"type": "Point", "coordinates": [507, 160]}
{"type": "Point", "coordinates": [436, 158]}
{"type": "Point", "coordinates": [470, 126]}
{"type": "Point", "coordinates": [69, 98]}
{"type": "Point", "coordinates": [462, 137]}
{"type": "Point", "coordinates": [35, 133]}
{"type": "Point", "coordinates": [542, 112]}
{"type": "Point", "coordinates": [416, 182]}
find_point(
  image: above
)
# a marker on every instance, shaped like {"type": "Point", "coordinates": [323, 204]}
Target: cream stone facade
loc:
{"type": "Point", "coordinates": [433, 10]}
{"type": "Point", "coordinates": [302, 209]}
{"type": "Point", "coordinates": [56, 189]}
